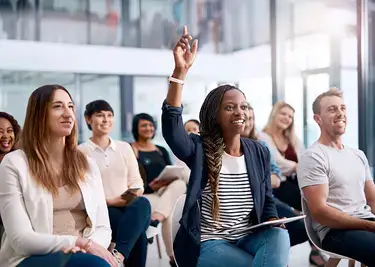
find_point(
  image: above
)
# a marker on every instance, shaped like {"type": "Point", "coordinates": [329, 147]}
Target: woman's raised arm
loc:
{"type": "Point", "coordinates": [172, 125]}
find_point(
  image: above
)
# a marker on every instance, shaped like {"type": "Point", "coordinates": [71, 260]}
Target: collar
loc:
{"type": "Point", "coordinates": [93, 146]}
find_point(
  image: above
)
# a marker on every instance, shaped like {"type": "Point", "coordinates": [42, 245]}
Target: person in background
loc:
{"type": "Point", "coordinates": [153, 159]}
{"type": "Point", "coordinates": [191, 127]}
{"type": "Point", "coordinates": [10, 132]}
{"type": "Point", "coordinates": [229, 187]}
{"type": "Point", "coordinates": [337, 185]}
{"type": "Point", "coordinates": [296, 230]}
{"type": "Point", "coordinates": [51, 195]}
{"type": "Point", "coordinates": [284, 145]}
{"type": "Point", "coordinates": [119, 171]}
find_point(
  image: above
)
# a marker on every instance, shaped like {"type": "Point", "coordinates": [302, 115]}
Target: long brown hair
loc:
{"type": "Point", "coordinates": [34, 142]}
{"type": "Point", "coordinates": [213, 142]}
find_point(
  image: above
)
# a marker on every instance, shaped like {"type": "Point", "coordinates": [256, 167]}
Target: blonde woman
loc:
{"type": "Point", "coordinates": [286, 147]}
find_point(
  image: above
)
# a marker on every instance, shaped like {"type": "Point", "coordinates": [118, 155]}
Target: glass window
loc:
{"type": "Point", "coordinates": [95, 87]}
{"type": "Point", "coordinates": [294, 97]}
{"type": "Point", "coordinates": [149, 94]}
{"type": "Point", "coordinates": [315, 85]}
{"type": "Point", "coordinates": [69, 17]}
{"type": "Point", "coordinates": [258, 93]}
{"type": "Point", "coordinates": [17, 86]}
{"type": "Point", "coordinates": [105, 22]}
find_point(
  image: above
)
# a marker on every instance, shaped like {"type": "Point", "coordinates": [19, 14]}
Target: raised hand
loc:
{"type": "Point", "coordinates": [184, 55]}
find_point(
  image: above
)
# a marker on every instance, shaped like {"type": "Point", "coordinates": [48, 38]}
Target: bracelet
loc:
{"type": "Point", "coordinates": [172, 79]}
{"type": "Point", "coordinates": [88, 245]}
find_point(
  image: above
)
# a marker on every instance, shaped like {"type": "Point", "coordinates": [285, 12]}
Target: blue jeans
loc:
{"type": "Point", "coordinates": [60, 259]}
{"type": "Point", "coordinates": [129, 225]}
{"type": "Point", "coordinates": [268, 247]}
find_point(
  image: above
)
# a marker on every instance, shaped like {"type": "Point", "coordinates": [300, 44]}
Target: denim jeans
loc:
{"type": "Point", "coordinates": [268, 247]}
{"type": "Point", "coordinates": [355, 244]}
{"type": "Point", "coordinates": [60, 259]}
{"type": "Point", "coordinates": [129, 225]}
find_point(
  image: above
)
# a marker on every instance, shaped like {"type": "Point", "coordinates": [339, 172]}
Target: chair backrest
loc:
{"type": "Point", "coordinates": [177, 214]}
{"type": "Point", "coordinates": [311, 233]}
{"type": "Point", "coordinates": [313, 236]}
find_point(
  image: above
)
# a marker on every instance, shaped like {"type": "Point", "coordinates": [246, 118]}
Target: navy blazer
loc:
{"type": "Point", "coordinates": [189, 148]}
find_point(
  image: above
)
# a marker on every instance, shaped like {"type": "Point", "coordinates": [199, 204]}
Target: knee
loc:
{"type": "Point", "coordinates": [143, 204]}
{"type": "Point", "coordinates": [179, 186]}
{"type": "Point", "coordinates": [278, 237]}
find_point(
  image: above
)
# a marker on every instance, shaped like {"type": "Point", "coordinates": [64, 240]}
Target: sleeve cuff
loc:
{"type": "Point", "coordinates": [172, 110]}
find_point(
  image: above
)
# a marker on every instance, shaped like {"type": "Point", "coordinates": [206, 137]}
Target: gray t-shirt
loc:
{"type": "Point", "coordinates": [345, 171]}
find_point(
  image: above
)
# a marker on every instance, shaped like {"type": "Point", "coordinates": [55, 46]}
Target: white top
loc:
{"type": "Point", "coordinates": [345, 171]}
{"type": "Point", "coordinates": [117, 164]}
{"type": "Point", "coordinates": [236, 202]}
{"type": "Point", "coordinates": [286, 166]}
{"type": "Point", "coordinates": [27, 212]}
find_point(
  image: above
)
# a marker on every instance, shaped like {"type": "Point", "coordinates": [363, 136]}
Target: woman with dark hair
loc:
{"type": "Point", "coordinates": [229, 188]}
{"type": "Point", "coordinates": [152, 160]}
{"type": "Point", "coordinates": [51, 195]}
{"type": "Point", "coordinates": [9, 134]}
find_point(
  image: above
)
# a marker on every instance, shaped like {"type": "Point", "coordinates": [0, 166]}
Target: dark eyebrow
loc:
{"type": "Point", "coordinates": [60, 102]}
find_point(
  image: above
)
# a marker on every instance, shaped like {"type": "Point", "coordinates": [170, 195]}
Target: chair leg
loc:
{"type": "Point", "coordinates": [351, 263]}
{"type": "Point", "coordinates": [332, 262]}
{"type": "Point", "coordinates": [158, 244]}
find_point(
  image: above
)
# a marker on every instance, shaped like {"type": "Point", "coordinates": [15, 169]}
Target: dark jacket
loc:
{"type": "Point", "coordinates": [189, 148]}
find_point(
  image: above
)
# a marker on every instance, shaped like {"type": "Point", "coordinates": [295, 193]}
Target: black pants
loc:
{"type": "Point", "coordinates": [289, 193]}
{"type": "Point", "coordinates": [129, 225]}
{"type": "Point", "coordinates": [296, 229]}
{"type": "Point", "coordinates": [356, 244]}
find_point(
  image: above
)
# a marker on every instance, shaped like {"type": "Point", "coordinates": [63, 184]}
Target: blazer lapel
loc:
{"type": "Point", "coordinates": [252, 175]}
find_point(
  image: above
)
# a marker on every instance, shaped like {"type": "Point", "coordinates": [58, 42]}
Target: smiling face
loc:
{"type": "Point", "coordinates": [146, 129]}
{"type": "Point", "coordinates": [61, 116]}
{"type": "Point", "coordinates": [101, 122]}
{"type": "Point", "coordinates": [232, 112]}
{"type": "Point", "coordinates": [332, 117]}
{"type": "Point", "coordinates": [284, 118]}
{"type": "Point", "coordinates": [7, 136]}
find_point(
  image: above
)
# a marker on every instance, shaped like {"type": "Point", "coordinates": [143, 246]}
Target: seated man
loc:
{"type": "Point", "coordinates": [338, 186]}
{"type": "Point", "coordinates": [119, 171]}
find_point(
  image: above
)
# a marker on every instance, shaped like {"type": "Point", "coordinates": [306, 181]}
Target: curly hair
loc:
{"type": "Point", "coordinates": [213, 142]}
{"type": "Point", "coordinates": [16, 128]}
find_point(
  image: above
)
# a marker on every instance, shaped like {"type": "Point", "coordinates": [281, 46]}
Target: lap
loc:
{"type": "Point", "coordinates": [221, 253]}
{"type": "Point", "coordinates": [342, 240]}
{"type": "Point", "coordinates": [60, 259]}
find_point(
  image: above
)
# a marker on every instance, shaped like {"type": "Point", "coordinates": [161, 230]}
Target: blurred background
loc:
{"type": "Point", "coordinates": [119, 51]}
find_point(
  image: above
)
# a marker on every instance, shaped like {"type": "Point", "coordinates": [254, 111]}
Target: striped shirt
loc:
{"type": "Point", "coordinates": [236, 203]}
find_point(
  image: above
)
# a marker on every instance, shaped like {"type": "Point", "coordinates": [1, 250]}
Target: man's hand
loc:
{"type": "Point", "coordinates": [116, 202]}
{"type": "Point", "coordinates": [280, 225]}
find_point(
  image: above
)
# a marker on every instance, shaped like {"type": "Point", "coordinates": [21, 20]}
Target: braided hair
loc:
{"type": "Point", "coordinates": [213, 142]}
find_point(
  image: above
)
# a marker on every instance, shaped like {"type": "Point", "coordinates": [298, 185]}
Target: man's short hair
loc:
{"type": "Point", "coordinates": [97, 106]}
{"type": "Point", "coordinates": [331, 92]}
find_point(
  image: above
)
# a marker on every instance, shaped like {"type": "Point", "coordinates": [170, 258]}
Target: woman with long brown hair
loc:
{"type": "Point", "coordinates": [51, 195]}
{"type": "Point", "coordinates": [229, 187]}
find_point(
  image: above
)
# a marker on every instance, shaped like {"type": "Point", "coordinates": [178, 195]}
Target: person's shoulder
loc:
{"type": "Point", "coordinates": [255, 146]}
{"type": "Point", "coordinates": [15, 158]}
{"type": "Point", "coordinates": [84, 147]}
{"type": "Point", "coordinates": [316, 151]}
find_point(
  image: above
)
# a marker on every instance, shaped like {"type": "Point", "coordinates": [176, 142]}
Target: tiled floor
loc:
{"type": "Point", "coordinates": [298, 257]}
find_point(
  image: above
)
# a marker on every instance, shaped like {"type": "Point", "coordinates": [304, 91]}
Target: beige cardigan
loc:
{"type": "Point", "coordinates": [286, 166]}
{"type": "Point", "coordinates": [27, 212]}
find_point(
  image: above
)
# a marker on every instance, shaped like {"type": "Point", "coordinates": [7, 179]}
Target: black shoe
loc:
{"type": "Point", "coordinates": [154, 223]}
{"type": "Point", "coordinates": [173, 263]}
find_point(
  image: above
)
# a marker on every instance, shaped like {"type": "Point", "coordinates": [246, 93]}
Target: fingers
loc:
{"type": "Point", "coordinates": [73, 250]}
{"type": "Point", "coordinates": [185, 30]}
{"type": "Point", "coordinates": [194, 47]}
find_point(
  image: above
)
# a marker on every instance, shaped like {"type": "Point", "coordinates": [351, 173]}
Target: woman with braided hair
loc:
{"type": "Point", "coordinates": [229, 187]}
